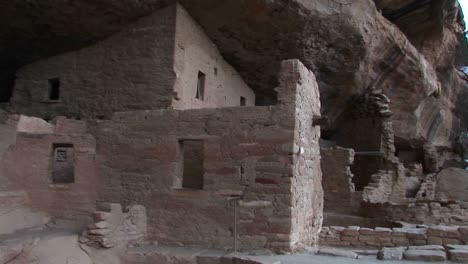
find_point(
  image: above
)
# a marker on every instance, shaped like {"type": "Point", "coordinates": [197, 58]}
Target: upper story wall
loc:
{"type": "Point", "coordinates": [129, 71]}
{"type": "Point", "coordinates": [154, 63]}
{"type": "Point", "coordinates": [195, 53]}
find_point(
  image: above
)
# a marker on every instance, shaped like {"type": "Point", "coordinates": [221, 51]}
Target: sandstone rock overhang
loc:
{"type": "Point", "coordinates": [349, 46]}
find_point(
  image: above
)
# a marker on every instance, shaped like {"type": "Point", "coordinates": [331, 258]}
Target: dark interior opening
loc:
{"type": "Point", "coordinates": [201, 86]}
{"type": "Point", "coordinates": [192, 161]}
{"type": "Point", "coordinates": [9, 81]}
{"type": "Point", "coordinates": [365, 165]}
{"type": "Point", "coordinates": [54, 89]}
{"type": "Point", "coordinates": [63, 164]}
{"type": "Point", "coordinates": [408, 155]}
{"type": "Point", "coordinates": [243, 101]}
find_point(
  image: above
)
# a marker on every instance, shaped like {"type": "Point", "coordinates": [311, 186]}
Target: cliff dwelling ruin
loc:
{"type": "Point", "coordinates": [233, 131]}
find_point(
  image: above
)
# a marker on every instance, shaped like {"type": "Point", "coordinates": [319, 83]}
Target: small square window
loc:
{"type": "Point", "coordinates": [54, 89]}
{"type": "Point", "coordinates": [62, 164]}
{"type": "Point", "coordinates": [201, 86]}
{"type": "Point", "coordinates": [243, 101]}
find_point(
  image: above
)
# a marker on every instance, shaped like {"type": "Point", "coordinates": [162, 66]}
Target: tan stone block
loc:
{"type": "Point", "coordinates": [443, 231]}
{"type": "Point", "coordinates": [366, 231]}
{"type": "Point", "coordinates": [383, 239]}
{"type": "Point", "coordinates": [382, 231]}
{"type": "Point", "coordinates": [351, 231]}
{"type": "Point", "coordinates": [453, 241]}
{"type": "Point", "coordinates": [398, 232]}
{"type": "Point", "coordinates": [434, 241]}
{"type": "Point", "coordinates": [357, 244]}
{"type": "Point", "coordinates": [418, 242]}
{"type": "Point", "coordinates": [349, 238]}
{"type": "Point", "coordinates": [416, 233]}
{"type": "Point", "coordinates": [372, 243]}
{"type": "Point", "coordinates": [400, 241]}
{"type": "Point", "coordinates": [343, 244]}
{"type": "Point", "coordinates": [337, 229]}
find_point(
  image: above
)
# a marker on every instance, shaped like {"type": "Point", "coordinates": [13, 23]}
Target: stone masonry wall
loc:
{"type": "Point", "coordinates": [249, 152]}
{"type": "Point", "coordinates": [393, 237]}
{"type": "Point", "coordinates": [114, 227]}
{"type": "Point", "coordinates": [306, 185]}
{"type": "Point", "coordinates": [337, 179]}
{"type": "Point", "coordinates": [143, 67]}
{"type": "Point", "coordinates": [422, 213]}
{"type": "Point", "coordinates": [131, 70]}
{"type": "Point", "coordinates": [28, 168]}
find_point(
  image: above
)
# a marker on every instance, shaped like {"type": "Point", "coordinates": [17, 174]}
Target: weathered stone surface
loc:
{"type": "Point", "coordinates": [443, 231]}
{"type": "Point", "coordinates": [337, 253]}
{"type": "Point", "coordinates": [452, 184]}
{"type": "Point", "coordinates": [10, 252]}
{"type": "Point", "coordinates": [265, 210]}
{"type": "Point", "coordinates": [427, 247]}
{"type": "Point", "coordinates": [337, 179]}
{"type": "Point", "coordinates": [425, 255]}
{"type": "Point", "coordinates": [359, 59]}
{"type": "Point", "coordinates": [391, 253]}
{"type": "Point", "coordinates": [458, 255]}
{"type": "Point", "coordinates": [119, 228]}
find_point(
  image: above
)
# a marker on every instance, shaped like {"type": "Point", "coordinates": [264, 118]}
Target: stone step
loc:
{"type": "Point", "coordinates": [425, 255]}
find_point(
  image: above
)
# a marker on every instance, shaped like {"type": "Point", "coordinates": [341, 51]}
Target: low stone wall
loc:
{"type": "Point", "coordinates": [393, 237]}
{"type": "Point", "coordinates": [114, 227]}
{"type": "Point", "coordinates": [422, 213]}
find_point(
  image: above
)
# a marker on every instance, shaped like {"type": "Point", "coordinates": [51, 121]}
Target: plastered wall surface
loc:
{"type": "Point", "coordinates": [29, 168]}
{"type": "Point", "coordinates": [195, 52]}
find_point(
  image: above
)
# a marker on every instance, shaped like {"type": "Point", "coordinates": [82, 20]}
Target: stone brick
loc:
{"type": "Point", "coordinates": [453, 241]}
{"type": "Point", "coordinates": [351, 231]}
{"type": "Point", "coordinates": [366, 231]}
{"type": "Point", "coordinates": [458, 255]}
{"type": "Point", "coordinates": [425, 255]}
{"type": "Point", "coordinates": [416, 233]}
{"type": "Point", "coordinates": [398, 232]}
{"type": "Point", "coordinates": [418, 242]}
{"type": "Point", "coordinates": [381, 231]}
{"type": "Point", "coordinates": [349, 238]}
{"type": "Point", "coordinates": [400, 241]}
{"type": "Point", "coordinates": [443, 231]}
{"type": "Point", "coordinates": [391, 253]}
{"type": "Point", "coordinates": [434, 241]}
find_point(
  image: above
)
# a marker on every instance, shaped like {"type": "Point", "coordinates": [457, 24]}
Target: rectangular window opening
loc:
{"type": "Point", "coordinates": [192, 158]}
{"type": "Point", "coordinates": [243, 101]}
{"type": "Point", "coordinates": [201, 86]}
{"type": "Point", "coordinates": [54, 89]}
{"type": "Point", "coordinates": [62, 164]}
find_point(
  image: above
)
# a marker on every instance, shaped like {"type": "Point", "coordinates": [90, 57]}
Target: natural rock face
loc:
{"type": "Point", "coordinates": [452, 185]}
{"type": "Point", "coordinates": [382, 72]}
{"type": "Point", "coordinates": [416, 74]}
